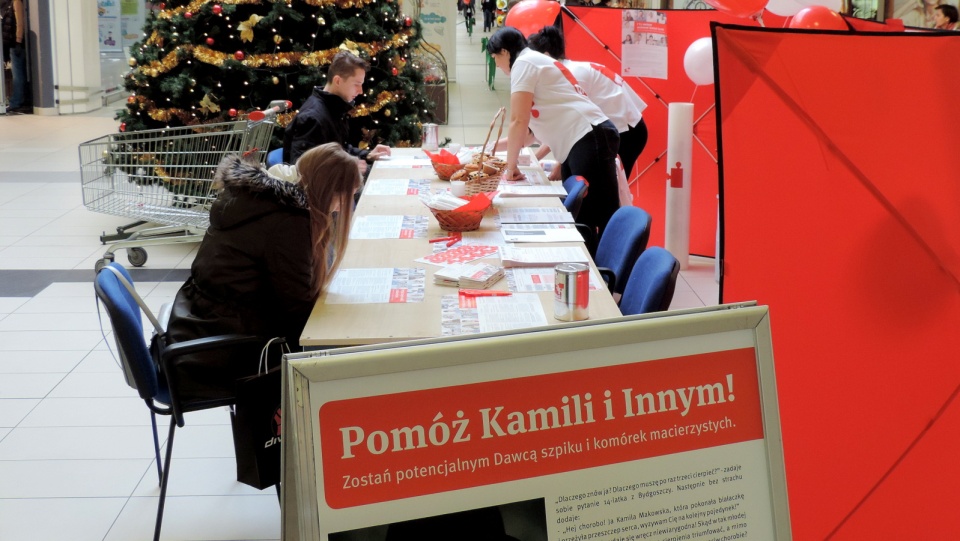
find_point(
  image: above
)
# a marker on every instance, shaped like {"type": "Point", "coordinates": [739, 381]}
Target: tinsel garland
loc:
{"type": "Point", "coordinates": [274, 60]}
{"type": "Point", "coordinates": [194, 6]}
{"type": "Point", "coordinates": [189, 119]}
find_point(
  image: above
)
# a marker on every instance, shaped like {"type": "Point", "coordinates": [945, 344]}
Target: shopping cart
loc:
{"type": "Point", "coordinates": [163, 179]}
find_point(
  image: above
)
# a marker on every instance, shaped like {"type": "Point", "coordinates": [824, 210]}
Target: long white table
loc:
{"type": "Point", "coordinates": [359, 324]}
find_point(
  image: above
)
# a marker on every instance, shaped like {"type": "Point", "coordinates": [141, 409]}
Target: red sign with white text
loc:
{"type": "Point", "coordinates": [409, 444]}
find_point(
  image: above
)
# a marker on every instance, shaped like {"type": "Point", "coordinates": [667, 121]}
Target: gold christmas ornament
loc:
{"type": "Point", "coordinates": [132, 61]}
{"type": "Point", "coordinates": [386, 112]}
{"type": "Point", "coordinates": [277, 39]}
{"type": "Point", "coordinates": [350, 46]}
{"type": "Point", "coordinates": [246, 27]}
{"type": "Point", "coordinates": [321, 21]}
{"type": "Point", "coordinates": [208, 106]}
{"type": "Point", "coordinates": [276, 80]}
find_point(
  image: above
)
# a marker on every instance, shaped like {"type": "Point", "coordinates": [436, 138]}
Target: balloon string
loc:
{"type": "Point", "coordinates": [695, 87]}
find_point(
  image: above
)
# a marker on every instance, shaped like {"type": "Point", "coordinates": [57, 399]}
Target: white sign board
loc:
{"type": "Point", "coordinates": [630, 428]}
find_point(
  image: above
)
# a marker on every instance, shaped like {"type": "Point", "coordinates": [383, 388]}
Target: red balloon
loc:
{"type": "Point", "coordinates": [818, 18]}
{"type": "Point", "coordinates": [738, 8]}
{"type": "Point", "coordinates": [530, 16]}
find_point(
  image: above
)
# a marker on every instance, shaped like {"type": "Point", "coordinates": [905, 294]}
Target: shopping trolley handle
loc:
{"type": "Point", "coordinates": [273, 109]}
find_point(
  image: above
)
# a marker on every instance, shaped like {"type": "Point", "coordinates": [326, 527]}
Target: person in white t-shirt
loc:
{"type": "Point", "coordinates": [547, 100]}
{"type": "Point", "coordinates": [606, 89]}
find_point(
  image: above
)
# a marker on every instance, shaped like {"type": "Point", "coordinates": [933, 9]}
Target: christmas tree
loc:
{"type": "Point", "coordinates": [206, 61]}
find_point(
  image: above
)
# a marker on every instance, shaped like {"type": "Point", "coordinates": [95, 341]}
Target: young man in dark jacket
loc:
{"type": "Point", "coordinates": [323, 117]}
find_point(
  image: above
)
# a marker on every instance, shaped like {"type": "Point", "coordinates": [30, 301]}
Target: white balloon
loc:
{"type": "Point", "coordinates": [785, 8]}
{"type": "Point", "coordinates": [832, 5]}
{"type": "Point", "coordinates": [698, 61]}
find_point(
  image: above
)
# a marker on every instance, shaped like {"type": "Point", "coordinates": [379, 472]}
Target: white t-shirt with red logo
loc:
{"type": "Point", "coordinates": [610, 92]}
{"type": "Point", "coordinates": [561, 113]}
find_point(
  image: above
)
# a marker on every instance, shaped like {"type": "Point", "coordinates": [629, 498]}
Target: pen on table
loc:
{"type": "Point", "coordinates": [449, 240]}
{"type": "Point", "coordinates": [484, 293]}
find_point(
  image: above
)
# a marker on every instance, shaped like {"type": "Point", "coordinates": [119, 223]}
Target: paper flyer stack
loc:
{"type": "Point", "coordinates": [469, 275]}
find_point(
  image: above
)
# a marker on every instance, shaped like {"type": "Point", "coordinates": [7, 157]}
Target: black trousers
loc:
{"type": "Point", "coordinates": [632, 142]}
{"type": "Point", "coordinates": [593, 158]}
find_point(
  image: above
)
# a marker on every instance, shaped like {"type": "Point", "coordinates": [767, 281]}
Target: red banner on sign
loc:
{"type": "Point", "coordinates": [409, 444]}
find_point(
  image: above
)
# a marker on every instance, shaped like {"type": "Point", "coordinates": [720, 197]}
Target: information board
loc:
{"type": "Point", "coordinates": [657, 428]}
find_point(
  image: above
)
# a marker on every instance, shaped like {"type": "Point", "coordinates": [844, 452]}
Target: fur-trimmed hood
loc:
{"type": "Point", "coordinates": [249, 192]}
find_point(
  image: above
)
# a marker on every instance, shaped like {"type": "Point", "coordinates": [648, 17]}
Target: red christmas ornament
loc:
{"type": "Point", "coordinates": [394, 71]}
{"type": "Point", "coordinates": [163, 5]}
{"type": "Point", "coordinates": [210, 42]}
{"type": "Point", "coordinates": [131, 99]}
{"type": "Point", "coordinates": [232, 112]}
{"type": "Point", "coordinates": [217, 8]}
{"type": "Point", "coordinates": [238, 55]}
{"type": "Point", "coordinates": [188, 15]}
{"type": "Point", "coordinates": [407, 21]}
{"type": "Point", "coordinates": [123, 126]}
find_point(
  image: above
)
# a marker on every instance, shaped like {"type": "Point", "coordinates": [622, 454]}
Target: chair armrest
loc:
{"type": "Point", "coordinates": [208, 343]}
{"type": "Point", "coordinates": [589, 238]}
{"type": "Point", "coordinates": [609, 277]}
{"type": "Point", "coordinates": [164, 315]}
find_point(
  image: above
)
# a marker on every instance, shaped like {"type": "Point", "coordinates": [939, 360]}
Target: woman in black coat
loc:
{"type": "Point", "coordinates": [263, 262]}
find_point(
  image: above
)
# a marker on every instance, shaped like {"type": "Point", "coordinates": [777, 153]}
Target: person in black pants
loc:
{"type": "Point", "coordinates": [489, 7]}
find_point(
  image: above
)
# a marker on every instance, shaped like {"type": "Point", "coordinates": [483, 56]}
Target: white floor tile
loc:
{"type": "Point", "coordinates": [202, 441]}
{"type": "Point", "coordinates": [3, 433]}
{"type": "Point", "coordinates": [14, 410]}
{"type": "Point", "coordinates": [36, 361]}
{"type": "Point", "coordinates": [10, 304]}
{"type": "Point", "coordinates": [99, 361]}
{"type": "Point", "coordinates": [53, 412]}
{"type": "Point", "coordinates": [93, 385]}
{"type": "Point", "coordinates": [54, 341]}
{"type": "Point", "coordinates": [57, 519]}
{"type": "Point", "coordinates": [43, 322]}
{"type": "Point", "coordinates": [57, 290]}
{"type": "Point", "coordinates": [81, 443]}
{"type": "Point", "coordinates": [28, 385]}
{"type": "Point", "coordinates": [188, 518]}
{"type": "Point", "coordinates": [72, 478]}
{"type": "Point", "coordinates": [198, 477]}
{"type": "Point", "coordinates": [63, 305]}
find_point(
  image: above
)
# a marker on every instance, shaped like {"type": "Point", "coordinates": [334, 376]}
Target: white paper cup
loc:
{"type": "Point", "coordinates": [458, 188]}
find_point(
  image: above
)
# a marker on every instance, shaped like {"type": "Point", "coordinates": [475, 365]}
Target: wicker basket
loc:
{"type": "Point", "coordinates": [444, 170]}
{"type": "Point", "coordinates": [458, 220]}
{"type": "Point", "coordinates": [482, 183]}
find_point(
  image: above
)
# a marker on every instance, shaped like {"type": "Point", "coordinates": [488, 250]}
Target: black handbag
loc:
{"type": "Point", "coordinates": [256, 423]}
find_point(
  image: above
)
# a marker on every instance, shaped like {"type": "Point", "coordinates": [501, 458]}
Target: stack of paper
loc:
{"type": "Point", "coordinates": [535, 215]}
{"type": "Point", "coordinates": [469, 275]}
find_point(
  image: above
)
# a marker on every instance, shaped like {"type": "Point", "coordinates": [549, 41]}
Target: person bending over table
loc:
{"type": "Point", "coordinates": [606, 89]}
{"type": "Point", "coordinates": [546, 99]}
{"type": "Point", "coordinates": [271, 247]}
{"type": "Point", "coordinates": [323, 117]}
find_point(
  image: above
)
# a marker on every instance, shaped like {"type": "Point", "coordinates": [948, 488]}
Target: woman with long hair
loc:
{"type": "Point", "coordinates": [271, 248]}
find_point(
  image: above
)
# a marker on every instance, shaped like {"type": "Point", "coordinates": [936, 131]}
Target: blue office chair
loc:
{"type": "Point", "coordinates": [142, 363]}
{"type": "Point", "coordinates": [651, 284]}
{"type": "Point", "coordinates": [274, 157]}
{"type": "Point", "coordinates": [621, 243]}
{"type": "Point", "coordinates": [577, 188]}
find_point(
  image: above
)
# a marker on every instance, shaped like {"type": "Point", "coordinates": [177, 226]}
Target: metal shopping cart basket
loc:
{"type": "Point", "coordinates": [163, 179]}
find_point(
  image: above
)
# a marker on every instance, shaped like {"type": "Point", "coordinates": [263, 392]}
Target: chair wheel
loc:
{"type": "Point", "coordinates": [136, 256]}
{"type": "Point", "coordinates": [103, 262]}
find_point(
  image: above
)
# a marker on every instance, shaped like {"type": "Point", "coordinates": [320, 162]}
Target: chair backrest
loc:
{"type": "Point", "coordinates": [577, 188]}
{"type": "Point", "coordinates": [652, 282]}
{"type": "Point", "coordinates": [139, 367]}
{"type": "Point", "coordinates": [622, 242]}
{"type": "Point", "coordinates": [274, 157]}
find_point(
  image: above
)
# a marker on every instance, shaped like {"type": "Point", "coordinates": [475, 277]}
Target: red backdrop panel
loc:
{"type": "Point", "coordinates": [649, 191]}
{"type": "Point", "coordinates": [840, 202]}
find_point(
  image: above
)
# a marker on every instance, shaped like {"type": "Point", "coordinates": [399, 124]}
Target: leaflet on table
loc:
{"type": "Point", "coordinates": [525, 158]}
{"type": "Point", "coordinates": [533, 215]}
{"type": "Point", "coordinates": [459, 254]}
{"type": "Point", "coordinates": [389, 227]}
{"type": "Point", "coordinates": [404, 161]}
{"type": "Point", "coordinates": [537, 279]}
{"type": "Point", "coordinates": [540, 233]}
{"type": "Point", "coordinates": [658, 449]}
{"type": "Point", "coordinates": [372, 286]}
{"type": "Point", "coordinates": [463, 314]}
{"type": "Point", "coordinates": [482, 238]}
{"type": "Point", "coordinates": [555, 189]}
{"type": "Point", "coordinates": [469, 275]}
{"type": "Point", "coordinates": [513, 256]}
{"type": "Point", "coordinates": [396, 186]}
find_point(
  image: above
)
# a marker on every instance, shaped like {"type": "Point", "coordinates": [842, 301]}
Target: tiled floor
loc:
{"type": "Point", "coordinates": [76, 458]}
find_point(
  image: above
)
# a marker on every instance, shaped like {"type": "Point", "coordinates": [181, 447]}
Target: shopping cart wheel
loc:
{"type": "Point", "coordinates": [136, 256]}
{"type": "Point", "coordinates": [103, 262]}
